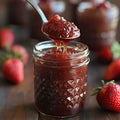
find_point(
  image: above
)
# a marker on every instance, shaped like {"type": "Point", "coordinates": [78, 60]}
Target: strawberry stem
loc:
{"type": "Point", "coordinates": [98, 89]}
{"type": "Point", "coordinates": [8, 54]}
{"type": "Point", "coordinates": [110, 82]}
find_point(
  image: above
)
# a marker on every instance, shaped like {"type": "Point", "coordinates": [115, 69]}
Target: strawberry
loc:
{"type": "Point", "coordinates": [7, 37]}
{"type": "Point", "coordinates": [113, 70]}
{"type": "Point", "coordinates": [108, 96]}
{"type": "Point", "coordinates": [18, 49]}
{"type": "Point", "coordinates": [13, 70]}
{"type": "Point", "coordinates": [109, 53]}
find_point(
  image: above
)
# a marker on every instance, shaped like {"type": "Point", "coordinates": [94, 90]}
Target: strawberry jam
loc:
{"type": "Point", "coordinates": [58, 28]}
{"type": "Point", "coordinates": [60, 77]}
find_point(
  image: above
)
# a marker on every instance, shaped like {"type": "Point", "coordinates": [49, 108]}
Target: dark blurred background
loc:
{"type": "Point", "coordinates": [21, 17]}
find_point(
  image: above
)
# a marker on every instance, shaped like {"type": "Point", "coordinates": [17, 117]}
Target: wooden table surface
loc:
{"type": "Point", "coordinates": [17, 101]}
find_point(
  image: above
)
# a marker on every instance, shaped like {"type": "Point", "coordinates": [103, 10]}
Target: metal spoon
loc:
{"type": "Point", "coordinates": [44, 20]}
{"type": "Point", "coordinates": [38, 9]}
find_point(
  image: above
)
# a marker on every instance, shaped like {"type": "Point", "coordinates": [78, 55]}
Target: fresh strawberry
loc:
{"type": "Point", "coordinates": [108, 96]}
{"type": "Point", "coordinates": [113, 70]}
{"type": "Point", "coordinates": [13, 70]}
{"type": "Point", "coordinates": [18, 49]}
{"type": "Point", "coordinates": [109, 53]}
{"type": "Point", "coordinates": [7, 37]}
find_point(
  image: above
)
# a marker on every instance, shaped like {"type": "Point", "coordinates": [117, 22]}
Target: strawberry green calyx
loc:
{"type": "Point", "coordinates": [115, 48]}
{"type": "Point", "coordinates": [98, 89]}
{"type": "Point", "coordinates": [8, 54]}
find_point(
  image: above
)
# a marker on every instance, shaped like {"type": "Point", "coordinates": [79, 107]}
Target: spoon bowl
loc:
{"type": "Point", "coordinates": [60, 38]}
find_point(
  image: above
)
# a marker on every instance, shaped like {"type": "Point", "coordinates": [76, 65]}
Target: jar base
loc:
{"type": "Point", "coordinates": [51, 117]}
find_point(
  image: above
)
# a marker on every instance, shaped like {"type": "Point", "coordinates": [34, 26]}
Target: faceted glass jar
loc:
{"type": "Point", "coordinates": [98, 24]}
{"type": "Point", "coordinates": [60, 77]}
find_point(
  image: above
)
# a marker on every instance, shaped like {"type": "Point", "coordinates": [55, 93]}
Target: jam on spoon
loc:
{"type": "Point", "coordinates": [61, 29]}
{"type": "Point", "coordinates": [57, 27]}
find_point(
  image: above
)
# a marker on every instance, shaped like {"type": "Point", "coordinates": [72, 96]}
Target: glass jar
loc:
{"type": "Point", "coordinates": [50, 8]}
{"type": "Point", "coordinates": [75, 3]}
{"type": "Point", "coordinates": [98, 24]}
{"type": "Point", "coordinates": [60, 77]}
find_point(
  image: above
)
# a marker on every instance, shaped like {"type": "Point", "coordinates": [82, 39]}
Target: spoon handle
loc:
{"type": "Point", "coordinates": [38, 9]}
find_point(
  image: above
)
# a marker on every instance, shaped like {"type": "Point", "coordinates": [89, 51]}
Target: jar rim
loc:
{"type": "Point", "coordinates": [80, 58]}
{"type": "Point", "coordinates": [80, 48]}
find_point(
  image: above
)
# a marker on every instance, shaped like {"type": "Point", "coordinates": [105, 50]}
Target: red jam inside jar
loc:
{"type": "Point", "coordinates": [98, 24]}
{"type": "Point", "coordinates": [60, 77]}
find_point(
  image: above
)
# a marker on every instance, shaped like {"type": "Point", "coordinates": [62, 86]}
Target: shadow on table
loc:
{"type": "Point", "coordinates": [47, 117]}
{"type": "Point", "coordinates": [96, 113]}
